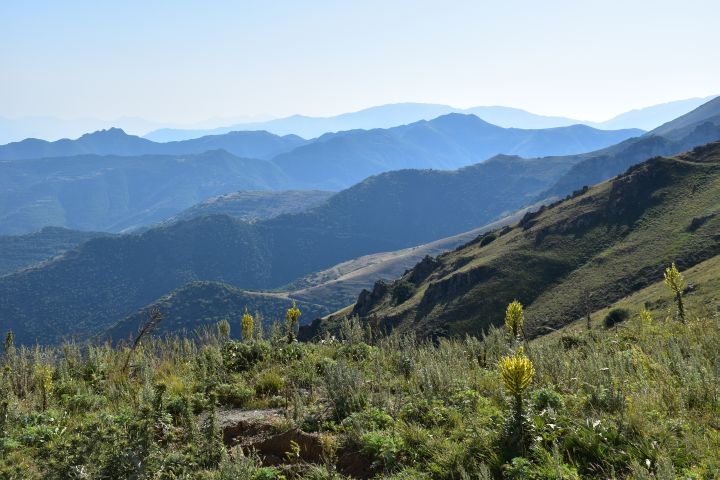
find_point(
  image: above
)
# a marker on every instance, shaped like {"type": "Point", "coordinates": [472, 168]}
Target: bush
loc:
{"type": "Point", "coordinates": [239, 357]}
{"type": "Point", "coordinates": [346, 389]}
{"type": "Point", "coordinates": [356, 351]}
{"type": "Point", "coordinates": [236, 395]}
{"type": "Point", "coordinates": [544, 398]}
{"type": "Point", "coordinates": [488, 239]}
{"type": "Point", "coordinates": [615, 316]}
{"type": "Point", "coordinates": [269, 384]}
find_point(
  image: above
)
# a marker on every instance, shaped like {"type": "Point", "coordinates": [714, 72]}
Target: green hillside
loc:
{"type": "Point", "coordinates": [105, 280]}
{"type": "Point", "coordinates": [582, 253]}
{"type": "Point", "coordinates": [202, 304]}
{"type": "Point", "coordinates": [23, 251]}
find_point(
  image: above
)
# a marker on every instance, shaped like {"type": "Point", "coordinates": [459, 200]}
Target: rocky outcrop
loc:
{"type": "Point", "coordinates": [261, 432]}
{"type": "Point", "coordinates": [367, 299]}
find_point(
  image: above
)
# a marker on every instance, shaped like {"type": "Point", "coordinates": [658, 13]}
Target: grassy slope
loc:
{"type": "Point", "coordinates": [637, 402]}
{"type": "Point", "coordinates": [611, 241]}
{"type": "Point", "coordinates": [702, 299]}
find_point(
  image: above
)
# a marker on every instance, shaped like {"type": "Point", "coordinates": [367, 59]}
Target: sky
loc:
{"type": "Point", "coordinates": [182, 62]}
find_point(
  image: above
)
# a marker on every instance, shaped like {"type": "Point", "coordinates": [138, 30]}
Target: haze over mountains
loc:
{"type": "Point", "coordinates": [106, 280]}
{"type": "Point", "coordinates": [392, 115]}
{"type": "Point", "coordinates": [102, 190]}
{"type": "Point", "coordinates": [275, 239]}
{"type": "Point", "coordinates": [383, 116]}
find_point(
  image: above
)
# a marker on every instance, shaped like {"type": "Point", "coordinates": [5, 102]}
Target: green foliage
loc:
{"type": "Point", "coordinates": [269, 383]}
{"type": "Point", "coordinates": [239, 357]}
{"type": "Point", "coordinates": [235, 395]}
{"type": "Point", "coordinates": [639, 401]}
{"type": "Point", "coordinates": [615, 316]}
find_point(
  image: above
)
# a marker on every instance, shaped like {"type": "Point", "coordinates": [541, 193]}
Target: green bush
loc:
{"type": "Point", "coordinates": [269, 383]}
{"type": "Point", "coordinates": [236, 395]}
{"type": "Point", "coordinates": [615, 316]}
{"type": "Point", "coordinates": [239, 356]}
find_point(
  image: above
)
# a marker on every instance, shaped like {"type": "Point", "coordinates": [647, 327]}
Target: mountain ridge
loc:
{"type": "Point", "coordinates": [611, 239]}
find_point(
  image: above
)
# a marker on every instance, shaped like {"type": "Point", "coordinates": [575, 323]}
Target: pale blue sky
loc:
{"type": "Point", "coordinates": [181, 61]}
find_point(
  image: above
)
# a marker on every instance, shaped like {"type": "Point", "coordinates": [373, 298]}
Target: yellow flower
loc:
{"type": "Point", "coordinates": [514, 318]}
{"type": "Point", "coordinates": [292, 315]}
{"type": "Point", "coordinates": [247, 325]}
{"type": "Point", "coordinates": [517, 372]}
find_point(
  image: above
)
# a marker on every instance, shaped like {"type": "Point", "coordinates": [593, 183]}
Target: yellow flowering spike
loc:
{"type": "Point", "coordinates": [43, 377]}
{"type": "Point", "coordinates": [645, 317]}
{"type": "Point", "coordinates": [517, 372]}
{"type": "Point", "coordinates": [291, 319]}
{"type": "Point", "coordinates": [514, 318]}
{"type": "Point", "coordinates": [674, 279]}
{"type": "Point", "coordinates": [676, 283]}
{"type": "Point", "coordinates": [247, 324]}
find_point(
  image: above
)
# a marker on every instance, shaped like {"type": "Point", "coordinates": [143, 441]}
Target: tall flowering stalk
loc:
{"type": "Point", "coordinates": [676, 283]}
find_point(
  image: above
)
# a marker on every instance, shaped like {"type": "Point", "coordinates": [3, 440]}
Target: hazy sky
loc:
{"type": "Point", "coordinates": [182, 61]}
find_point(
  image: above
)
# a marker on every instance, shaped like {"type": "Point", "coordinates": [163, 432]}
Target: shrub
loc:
{"type": "Point", "coordinates": [544, 398]}
{"type": "Point", "coordinates": [615, 316]}
{"type": "Point", "coordinates": [346, 389]}
{"type": "Point", "coordinates": [488, 239]}
{"type": "Point", "coordinates": [239, 357]}
{"type": "Point", "coordinates": [269, 383]}
{"type": "Point", "coordinates": [382, 448]}
{"type": "Point", "coordinates": [356, 351]}
{"type": "Point", "coordinates": [236, 395]}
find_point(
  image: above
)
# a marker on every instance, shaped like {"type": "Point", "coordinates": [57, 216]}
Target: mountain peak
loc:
{"type": "Point", "coordinates": [112, 132]}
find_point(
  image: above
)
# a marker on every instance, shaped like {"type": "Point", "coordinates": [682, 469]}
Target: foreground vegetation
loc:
{"type": "Point", "coordinates": [640, 399]}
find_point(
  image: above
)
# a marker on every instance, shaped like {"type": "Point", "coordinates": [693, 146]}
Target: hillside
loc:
{"type": "Point", "coordinates": [698, 127]}
{"type": "Point", "coordinates": [203, 304]}
{"type": "Point", "coordinates": [110, 193]}
{"type": "Point", "coordinates": [610, 240]}
{"type": "Point", "coordinates": [23, 251]}
{"type": "Point", "coordinates": [115, 141]}
{"type": "Point", "coordinates": [701, 299]}
{"type": "Point", "coordinates": [87, 290]}
{"type": "Point", "coordinates": [252, 205]}
{"type": "Point", "coordinates": [341, 159]}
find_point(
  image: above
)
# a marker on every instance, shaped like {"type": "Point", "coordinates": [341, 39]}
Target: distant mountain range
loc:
{"type": "Point", "coordinates": [392, 115]}
{"type": "Point", "coordinates": [113, 194]}
{"type": "Point", "coordinates": [698, 127]}
{"type": "Point", "coordinates": [105, 280]}
{"type": "Point", "coordinates": [610, 240]}
{"type": "Point", "coordinates": [336, 161]}
{"type": "Point", "coordinates": [103, 191]}
{"type": "Point", "coordinates": [115, 141]}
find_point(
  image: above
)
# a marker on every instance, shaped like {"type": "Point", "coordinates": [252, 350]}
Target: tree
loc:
{"type": "Point", "coordinates": [676, 283]}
